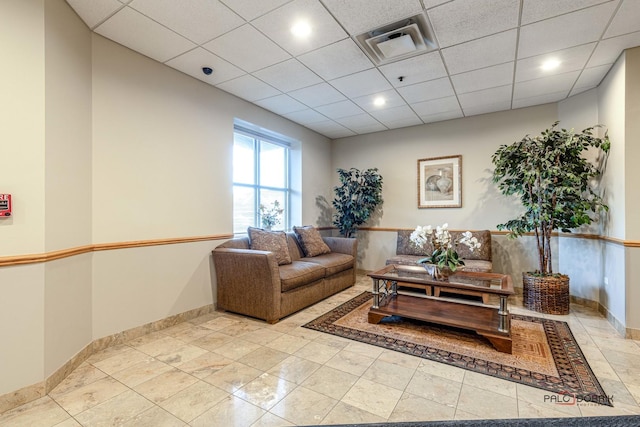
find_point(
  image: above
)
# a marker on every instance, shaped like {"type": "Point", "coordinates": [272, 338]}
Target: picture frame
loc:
{"type": "Point", "coordinates": [440, 182]}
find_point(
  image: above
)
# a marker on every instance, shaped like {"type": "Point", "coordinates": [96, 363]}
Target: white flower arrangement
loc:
{"type": "Point", "coordinates": [444, 247]}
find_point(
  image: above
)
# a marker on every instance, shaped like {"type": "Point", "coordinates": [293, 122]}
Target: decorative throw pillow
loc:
{"type": "Point", "coordinates": [273, 241]}
{"type": "Point", "coordinates": [311, 241]}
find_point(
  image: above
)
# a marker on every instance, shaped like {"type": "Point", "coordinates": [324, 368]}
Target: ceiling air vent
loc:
{"type": "Point", "coordinates": [399, 40]}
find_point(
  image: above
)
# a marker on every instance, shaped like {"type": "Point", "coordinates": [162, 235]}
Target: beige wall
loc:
{"type": "Point", "coordinates": [395, 153]}
{"type": "Point", "coordinates": [67, 183]}
{"type": "Point", "coordinates": [22, 130]}
{"type": "Point", "coordinates": [22, 78]}
{"type": "Point", "coordinates": [632, 179]}
{"type": "Point", "coordinates": [137, 151]}
{"type": "Point", "coordinates": [611, 112]}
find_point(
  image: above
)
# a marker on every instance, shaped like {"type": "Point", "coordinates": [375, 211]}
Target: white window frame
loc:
{"type": "Point", "coordinates": [261, 135]}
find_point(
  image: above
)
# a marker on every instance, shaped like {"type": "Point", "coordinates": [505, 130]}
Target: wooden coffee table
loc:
{"type": "Point", "coordinates": [492, 322]}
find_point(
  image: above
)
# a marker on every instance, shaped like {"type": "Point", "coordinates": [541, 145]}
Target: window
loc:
{"type": "Point", "coordinates": [260, 178]}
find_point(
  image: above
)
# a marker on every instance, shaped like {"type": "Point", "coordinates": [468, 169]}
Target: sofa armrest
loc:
{"type": "Point", "coordinates": [343, 245]}
{"type": "Point", "coordinates": [248, 282]}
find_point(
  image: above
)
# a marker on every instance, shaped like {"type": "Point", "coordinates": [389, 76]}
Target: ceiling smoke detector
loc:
{"type": "Point", "coordinates": [398, 40]}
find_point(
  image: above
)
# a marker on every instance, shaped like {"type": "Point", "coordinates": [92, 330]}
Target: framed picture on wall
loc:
{"type": "Point", "coordinates": [440, 182]}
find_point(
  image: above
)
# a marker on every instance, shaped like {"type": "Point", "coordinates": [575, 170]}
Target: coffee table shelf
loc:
{"type": "Point", "coordinates": [489, 321]}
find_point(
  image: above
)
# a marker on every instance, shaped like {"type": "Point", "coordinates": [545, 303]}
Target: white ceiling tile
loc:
{"type": "Point", "coordinates": [537, 10]}
{"type": "Point", "coordinates": [489, 107]}
{"type": "Point", "coordinates": [251, 9]}
{"type": "Point", "coordinates": [136, 31]}
{"type": "Point", "coordinates": [436, 106]}
{"type": "Point", "coordinates": [539, 99]}
{"type": "Point", "coordinates": [337, 60]}
{"type": "Point", "coordinates": [458, 22]}
{"type": "Point", "coordinates": [306, 117]}
{"type": "Point", "coordinates": [249, 88]}
{"type": "Point", "coordinates": [197, 20]}
{"type": "Point", "coordinates": [425, 91]}
{"type": "Point", "coordinates": [608, 50]}
{"type": "Point", "coordinates": [545, 85]}
{"type": "Point", "coordinates": [288, 75]}
{"type": "Point", "coordinates": [570, 59]}
{"type": "Point", "coordinates": [626, 20]}
{"type": "Point", "coordinates": [591, 77]}
{"type": "Point", "coordinates": [247, 48]}
{"type": "Point", "coordinates": [439, 117]}
{"type": "Point", "coordinates": [485, 52]}
{"type": "Point", "coordinates": [428, 4]}
{"type": "Point", "coordinates": [397, 114]}
{"type": "Point", "coordinates": [277, 26]}
{"type": "Point", "coordinates": [361, 122]}
{"type": "Point", "coordinates": [94, 12]}
{"type": "Point", "coordinates": [495, 95]}
{"type": "Point", "coordinates": [331, 129]}
{"type": "Point", "coordinates": [485, 78]}
{"type": "Point", "coordinates": [281, 104]}
{"type": "Point", "coordinates": [362, 83]}
{"type": "Point", "coordinates": [340, 109]}
{"type": "Point", "coordinates": [320, 94]}
{"type": "Point", "coordinates": [564, 31]}
{"type": "Point", "coordinates": [364, 15]}
{"type": "Point", "coordinates": [418, 69]}
{"type": "Point", "coordinates": [191, 63]}
{"type": "Point", "coordinates": [403, 123]}
{"type": "Point", "coordinates": [391, 97]}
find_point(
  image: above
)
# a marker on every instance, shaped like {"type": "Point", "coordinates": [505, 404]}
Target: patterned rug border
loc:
{"type": "Point", "coordinates": [576, 377]}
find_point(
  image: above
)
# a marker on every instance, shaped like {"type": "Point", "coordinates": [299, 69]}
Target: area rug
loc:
{"type": "Point", "coordinates": [545, 353]}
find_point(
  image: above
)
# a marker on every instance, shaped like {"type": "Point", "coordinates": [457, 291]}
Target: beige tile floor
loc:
{"type": "Point", "coordinates": [227, 370]}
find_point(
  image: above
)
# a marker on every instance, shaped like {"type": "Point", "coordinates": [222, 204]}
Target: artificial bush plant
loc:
{"type": "Point", "coordinates": [356, 198]}
{"type": "Point", "coordinates": [555, 184]}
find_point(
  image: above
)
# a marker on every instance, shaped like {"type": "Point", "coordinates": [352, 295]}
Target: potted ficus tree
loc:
{"type": "Point", "coordinates": [356, 198]}
{"type": "Point", "coordinates": [555, 183]}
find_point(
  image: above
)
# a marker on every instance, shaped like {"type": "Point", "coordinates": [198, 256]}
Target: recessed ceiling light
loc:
{"type": "Point", "coordinates": [550, 64]}
{"type": "Point", "coordinates": [379, 101]}
{"type": "Point", "coordinates": [301, 29]}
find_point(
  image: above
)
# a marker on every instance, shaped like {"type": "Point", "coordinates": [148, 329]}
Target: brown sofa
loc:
{"type": "Point", "coordinates": [251, 282]}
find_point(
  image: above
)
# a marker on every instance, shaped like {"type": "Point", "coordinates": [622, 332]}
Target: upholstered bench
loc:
{"type": "Point", "coordinates": [478, 260]}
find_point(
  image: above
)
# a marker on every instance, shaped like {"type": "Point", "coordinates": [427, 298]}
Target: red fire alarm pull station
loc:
{"type": "Point", "coordinates": [5, 205]}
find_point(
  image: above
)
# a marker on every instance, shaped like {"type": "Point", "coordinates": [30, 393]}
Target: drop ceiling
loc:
{"type": "Point", "coordinates": [487, 56]}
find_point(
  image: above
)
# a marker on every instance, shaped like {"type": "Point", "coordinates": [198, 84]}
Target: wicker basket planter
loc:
{"type": "Point", "coordinates": [546, 294]}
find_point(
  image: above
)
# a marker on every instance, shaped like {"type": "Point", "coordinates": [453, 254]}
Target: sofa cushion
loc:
{"type": "Point", "coordinates": [334, 262]}
{"type": "Point", "coordinates": [273, 241]}
{"type": "Point", "coordinates": [311, 241]}
{"type": "Point", "coordinates": [299, 273]}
